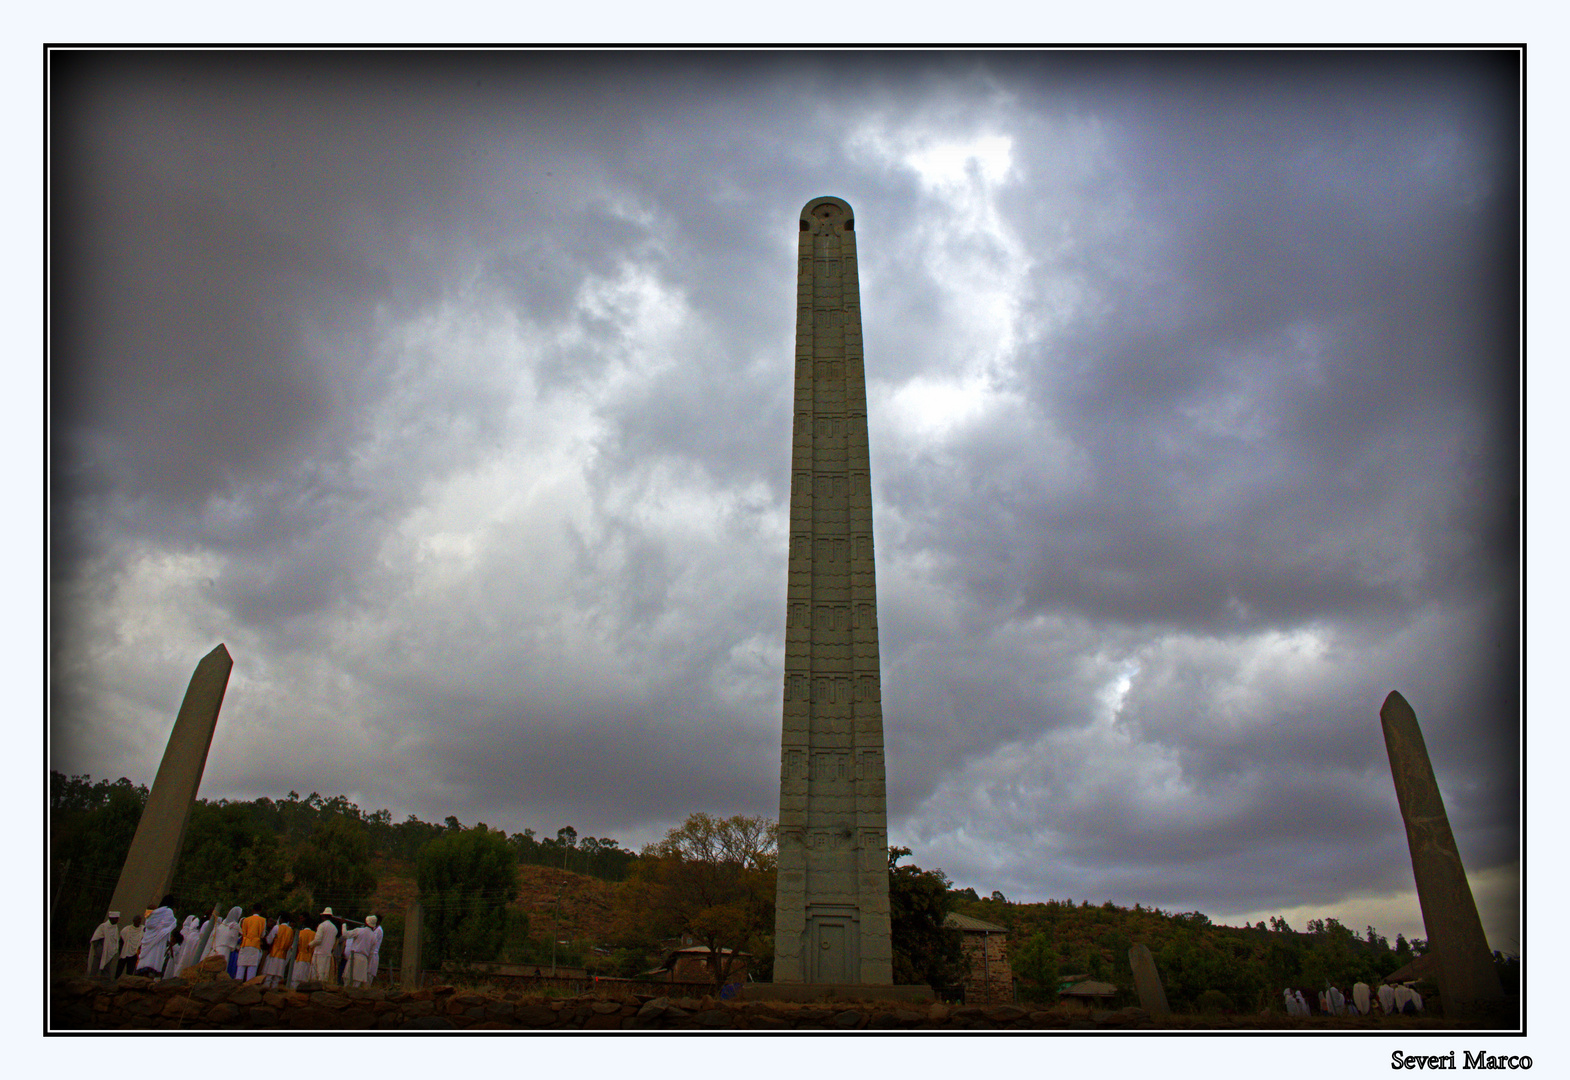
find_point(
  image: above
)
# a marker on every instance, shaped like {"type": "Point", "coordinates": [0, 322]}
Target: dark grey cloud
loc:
{"type": "Point", "coordinates": [453, 393]}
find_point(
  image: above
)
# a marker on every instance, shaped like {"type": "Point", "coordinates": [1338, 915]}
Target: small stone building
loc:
{"type": "Point", "coordinates": [990, 981]}
{"type": "Point", "coordinates": [1086, 992]}
{"type": "Point", "coordinates": [691, 965]}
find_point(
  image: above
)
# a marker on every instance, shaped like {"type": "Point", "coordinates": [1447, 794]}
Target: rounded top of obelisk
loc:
{"type": "Point", "coordinates": [826, 210]}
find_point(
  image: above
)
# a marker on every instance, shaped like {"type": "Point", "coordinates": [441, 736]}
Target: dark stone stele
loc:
{"type": "Point", "coordinates": [1468, 982]}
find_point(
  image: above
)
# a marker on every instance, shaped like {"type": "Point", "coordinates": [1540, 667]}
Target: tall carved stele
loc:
{"type": "Point", "coordinates": [155, 847]}
{"type": "Point", "coordinates": [1468, 982]}
{"type": "Point", "coordinates": [832, 907]}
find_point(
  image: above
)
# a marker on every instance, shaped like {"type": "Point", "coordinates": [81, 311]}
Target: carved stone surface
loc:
{"type": "Point", "coordinates": [1152, 998]}
{"type": "Point", "coordinates": [149, 865]}
{"type": "Point", "coordinates": [1467, 979]}
{"type": "Point", "coordinates": [832, 905]}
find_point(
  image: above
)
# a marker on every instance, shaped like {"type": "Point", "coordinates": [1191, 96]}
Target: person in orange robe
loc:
{"type": "Point", "coordinates": [280, 937]}
{"type": "Point", "coordinates": [303, 970]}
{"type": "Point", "coordinates": [252, 928]}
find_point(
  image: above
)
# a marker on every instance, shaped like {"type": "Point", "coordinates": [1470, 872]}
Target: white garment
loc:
{"type": "Point", "coordinates": [225, 935]}
{"type": "Point", "coordinates": [109, 934]}
{"type": "Point", "coordinates": [322, 950]}
{"type": "Point", "coordinates": [130, 941]}
{"type": "Point", "coordinates": [326, 938]}
{"type": "Point", "coordinates": [1337, 1002]}
{"type": "Point", "coordinates": [190, 938]}
{"type": "Point", "coordinates": [1360, 997]}
{"type": "Point", "coordinates": [1302, 1006]}
{"type": "Point", "coordinates": [353, 939]}
{"type": "Point", "coordinates": [155, 939]}
{"type": "Point", "coordinates": [373, 954]}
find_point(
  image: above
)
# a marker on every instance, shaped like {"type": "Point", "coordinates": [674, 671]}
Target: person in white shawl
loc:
{"type": "Point", "coordinates": [190, 938]}
{"type": "Point", "coordinates": [226, 935]}
{"type": "Point", "coordinates": [373, 947]}
{"type": "Point", "coordinates": [1290, 1001]}
{"type": "Point", "coordinates": [1387, 998]}
{"type": "Point", "coordinates": [1360, 997]}
{"type": "Point", "coordinates": [104, 948]}
{"type": "Point", "coordinates": [155, 939]}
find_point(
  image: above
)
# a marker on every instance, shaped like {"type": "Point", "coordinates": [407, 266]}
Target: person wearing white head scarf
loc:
{"type": "Point", "coordinates": [226, 935]}
{"type": "Point", "coordinates": [190, 938]}
{"type": "Point", "coordinates": [104, 947]}
{"type": "Point", "coordinates": [374, 947]}
{"type": "Point", "coordinates": [1337, 1002]}
{"type": "Point", "coordinates": [1360, 997]}
{"type": "Point", "coordinates": [1387, 998]}
{"type": "Point", "coordinates": [1290, 1001]}
{"type": "Point", "coordinates": [153, 952]}
{"type": "Point", "coordinates": [1302, 1004]}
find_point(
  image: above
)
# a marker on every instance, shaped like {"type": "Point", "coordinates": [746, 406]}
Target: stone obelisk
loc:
{"type": "Point", "coordinates": [832, 907]}
{"type": "Point", "coordinates": [1467, 979]}
{"type": "Point", "coordinates": [155, 848]}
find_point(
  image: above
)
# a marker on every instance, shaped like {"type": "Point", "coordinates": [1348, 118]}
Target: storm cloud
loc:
{"type": "Point", "coordinates": [453, 393]}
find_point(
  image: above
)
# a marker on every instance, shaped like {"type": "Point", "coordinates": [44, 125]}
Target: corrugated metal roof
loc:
{"type": "Point", "coordinates": [965, 922]}
{"type": "Point", "coordinates": [1089, 988]}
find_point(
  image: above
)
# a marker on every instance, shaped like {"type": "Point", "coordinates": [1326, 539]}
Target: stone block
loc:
{"type": "Point", "coordinates": [535, 1016]}
{"type": "Point", "coordinates": [246, 995]}
{"type": "Point", "coordinates": [428, 1023]}
{"type": "Point", "coordinates": [212, 992]}
{"type": "Point", "coordinates": [182, 1008]}
{"type": "Point", "coordinates": [326, 999]}
{"type": "Point", "coordinates": [224, 1013]}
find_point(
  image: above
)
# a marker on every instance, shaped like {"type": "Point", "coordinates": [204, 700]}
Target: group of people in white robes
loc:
{"type": "Point", "coordinates": [1392, 999]}
{"type": "Point", "coordinates": [331, 952]}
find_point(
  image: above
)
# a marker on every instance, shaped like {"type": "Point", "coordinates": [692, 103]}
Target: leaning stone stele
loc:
{"type": "Point", "coordinates": [832, 905]}
{"type": "Point", "coordinates": [1147, 982]}
{"type": "Point", "coordinates": [1467, 979]}
{"type": "Point", "coordinates": [149, 865]}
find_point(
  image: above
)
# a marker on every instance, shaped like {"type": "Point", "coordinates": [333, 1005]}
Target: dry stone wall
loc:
{"type": "Point", "coordinates": [135, 1003]}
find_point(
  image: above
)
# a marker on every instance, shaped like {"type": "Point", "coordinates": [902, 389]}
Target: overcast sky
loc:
{"type": "Point", "coordinates": [453, 395]}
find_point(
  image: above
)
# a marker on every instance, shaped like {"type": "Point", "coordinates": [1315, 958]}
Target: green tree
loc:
{"type": "Point", "coordinates": [711, 879]}
{"type": "Point", "coordinates": [467, 877]}
{"type": "Point", "coordinates": [226, 859]}
{"type": "Point", "coordinates": [334, 864]}
{"type": "Point", "coordinates": [925, 950]}
{"type": "Point", "coordinates": [1037, 961]}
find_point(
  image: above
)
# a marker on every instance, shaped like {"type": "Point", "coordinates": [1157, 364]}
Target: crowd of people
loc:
{"type": "Point", "coordinates": [284, 950]}
{"type": "Point", "coordinates": [1332, 1002]}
